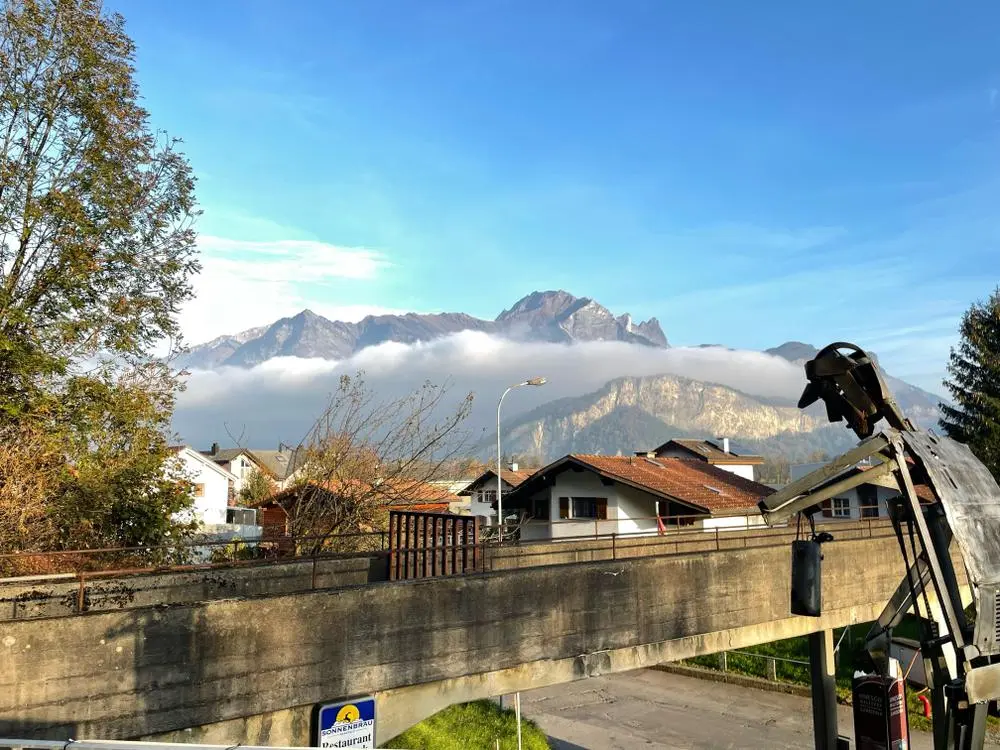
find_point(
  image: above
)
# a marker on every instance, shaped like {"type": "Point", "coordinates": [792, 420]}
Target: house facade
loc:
{"type": "Point", "coordinates": [582, 495]}
{"type": "Point", "coordinates": [713, 453]}
{"type": "Point", "coordinates": [482, 491]}
{"type": "Point", "coordinates": [868, 501]}
{"type": "Point", "coordinates": [212, 484]}
{"type": "Point", "coordinates": [283, 466]}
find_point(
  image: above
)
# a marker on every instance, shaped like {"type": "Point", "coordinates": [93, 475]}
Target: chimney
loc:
{"type": "Point", "coordinates": [513, 466]}
{"type": "Point", "coordinates": [215, 449]}
{"type": "Point", "coordinates": [725, 445]}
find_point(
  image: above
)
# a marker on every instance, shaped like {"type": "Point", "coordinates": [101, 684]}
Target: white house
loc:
{"type": "Point", "coordinates": [866, 501]}
{"type": "Point", "coordinates": [211, 483]}
{"type": "Point", "coordinates": [714, 454]}
{"type": "Point", "coordinates": [482, 491]}
{"type": "Point", "coordinates": [240, 462]}
{"type": "Point", "coordinates": [282, 466]}
{"type": "Point", "coordinates": [582, 495]}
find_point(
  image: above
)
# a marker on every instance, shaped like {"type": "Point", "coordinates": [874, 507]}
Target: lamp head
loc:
{"type": "Point", "coordinates": [536, 381]}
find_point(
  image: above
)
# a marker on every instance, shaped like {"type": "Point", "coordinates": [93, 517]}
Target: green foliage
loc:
{"type": "Point", "coordinates": [122, 490]}
{"type": "Point", "coordinates": [471, 726]}
{"type": "Point", "coordinates": [974, 383]}
{"type": "Point", "coordinates": [257, 487]}
{"type": "Point", "coordinates": [96, 253]}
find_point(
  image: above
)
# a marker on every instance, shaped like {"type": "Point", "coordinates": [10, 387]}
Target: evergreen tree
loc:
{"type": "Point", "coordinates": [974, 383]}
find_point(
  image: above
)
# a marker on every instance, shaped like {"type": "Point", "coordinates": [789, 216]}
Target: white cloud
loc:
{"type": "Point", "coordinates": [246, 284]}
{"type": "Point", "coordinates": [279, 398]}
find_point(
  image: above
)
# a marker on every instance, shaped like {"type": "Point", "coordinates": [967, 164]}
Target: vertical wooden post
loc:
{"type": "Point", "coordinates": [80, 595]}
{"type": "Point", "coordinates": [434, 546]}
{"type": "Point", "coordinates": [475, 545]}
{"type": "Point", "coordinates": [392, 553]}
{"type": "Point", "coordinates": [723, 661]}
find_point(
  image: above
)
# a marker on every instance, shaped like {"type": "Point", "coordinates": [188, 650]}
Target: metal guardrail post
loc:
{"type": "Point", "coordinates": [80, 595]}
{"type": "Point", "coordinates": [772, 669]}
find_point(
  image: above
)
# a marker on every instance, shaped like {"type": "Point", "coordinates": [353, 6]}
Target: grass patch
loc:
{"type": "Point", "coordinates": [851, 656]}
{"type": "Point", "coordinates": [471, 726]}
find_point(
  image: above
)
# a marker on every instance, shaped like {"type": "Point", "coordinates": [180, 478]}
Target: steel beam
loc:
{"type": "Point", "coordinates": [824, 689]}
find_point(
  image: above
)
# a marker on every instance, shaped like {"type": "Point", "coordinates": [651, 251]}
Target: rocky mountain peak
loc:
{"type": "Point", "coordinates": [539, 305]}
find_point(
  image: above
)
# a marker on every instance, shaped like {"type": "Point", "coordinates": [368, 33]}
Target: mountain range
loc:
{"type": "Point", "coordinates": [639, 413]}
{"type": "Point", "coordinates": [556, 317]}
{"type": "Point", "coordinates": [627, 413]}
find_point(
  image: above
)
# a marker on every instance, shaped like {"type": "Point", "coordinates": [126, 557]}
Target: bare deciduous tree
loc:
{"type": "Point", "coordinates": [364, 454]}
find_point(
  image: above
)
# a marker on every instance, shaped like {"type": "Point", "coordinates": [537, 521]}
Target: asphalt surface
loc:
{"type": "Point", "coordinates": [649, 709]}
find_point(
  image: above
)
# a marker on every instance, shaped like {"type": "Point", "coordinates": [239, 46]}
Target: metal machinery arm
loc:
{"type": "Point", "coordinates": [963, 505]}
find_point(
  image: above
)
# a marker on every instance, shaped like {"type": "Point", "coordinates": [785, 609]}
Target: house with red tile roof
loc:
{"type": "Point", "coordinates": [581, 495]}
{"type": "Point", "coordinates": [482, 491]}
{"type": "Point", "coordinates": [715, 454]}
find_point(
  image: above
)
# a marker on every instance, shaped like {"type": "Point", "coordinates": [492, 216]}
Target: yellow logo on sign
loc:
{"type": "Point", "coordinates": [348, 714]}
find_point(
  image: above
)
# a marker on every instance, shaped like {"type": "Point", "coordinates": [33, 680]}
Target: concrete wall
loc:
{"type": "Point", "coordinates": [55, 596]}
{"type": "Point", "coordinates": [156, 670]}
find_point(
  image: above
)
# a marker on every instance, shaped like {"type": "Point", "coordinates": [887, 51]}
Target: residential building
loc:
{"type": "Point", "coordinates": [240, 462]}
{"type": "Point", "coordinates": [714, 454]}
{"type": "Point", "coordinates": [865, 501]}
{"type": "Point", "coordinates": [482, 491]}
{"type": "Point", "coordinates": [400, 494]}
{"type": "Point", "coordinates": [212, 483]}
{"type": "Point", "coordinates": [581, 495]}
{"type": "Point", "coordinates": [282, 466]}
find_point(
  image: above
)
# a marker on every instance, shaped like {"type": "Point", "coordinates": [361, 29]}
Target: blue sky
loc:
{"type": "Point", "coordinates": [749, 173]}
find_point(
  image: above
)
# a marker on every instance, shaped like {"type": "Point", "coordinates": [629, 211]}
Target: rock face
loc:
{"type": "Point", "coordinates": [560, 317]}
{"type": "Point", "coordinates": [541, 316]}
{"type": "Point", "coordinates": [636, 413]}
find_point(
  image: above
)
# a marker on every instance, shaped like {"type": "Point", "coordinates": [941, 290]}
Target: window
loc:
{"type": "Point", "coordinates": [245, 516]}
{"type": "Point", "coordinates": [841, 507]}
{"type": "Point", "coordinates": [540, 508]}
{"type": "Point", "coordinates": [584, 507]}
{"type": "Point", "coordinates": [488, 496]}
{"type": "Point", "coordinates": [199, 490]}
{"type": "Point", "coordinates": [590, 507]}
{"type": "Point", "coordinates": [868, 501]}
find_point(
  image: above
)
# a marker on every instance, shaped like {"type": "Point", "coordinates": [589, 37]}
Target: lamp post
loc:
{"type": "Point", "coordinates": [533, 381]}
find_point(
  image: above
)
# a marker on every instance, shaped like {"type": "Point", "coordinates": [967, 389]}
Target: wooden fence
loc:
{"type": "Point", "coordinates": [428, 545]}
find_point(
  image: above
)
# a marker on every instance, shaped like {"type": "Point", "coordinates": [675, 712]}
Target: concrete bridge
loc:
{"type": "Point", "coordinates": [251, 668]}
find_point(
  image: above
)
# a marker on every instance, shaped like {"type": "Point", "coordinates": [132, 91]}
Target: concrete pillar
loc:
{"type": "Point", "coordinates": [723, 661]}
{"type": "Point", "coordinates": [824, 689]}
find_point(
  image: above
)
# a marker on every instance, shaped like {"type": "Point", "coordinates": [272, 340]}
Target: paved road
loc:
{"type": "Point", "coordinates": [652, 710]}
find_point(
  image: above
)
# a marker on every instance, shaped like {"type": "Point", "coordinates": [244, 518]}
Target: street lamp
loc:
{"type": "Point", "coordinates": [533, 381]}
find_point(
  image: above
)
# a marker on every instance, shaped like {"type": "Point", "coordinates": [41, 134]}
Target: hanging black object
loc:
{"type": "Point", "coordinates": [806, 588]}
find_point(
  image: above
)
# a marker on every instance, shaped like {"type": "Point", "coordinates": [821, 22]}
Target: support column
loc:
{"type": "Point", "coordinates": [824, 689]}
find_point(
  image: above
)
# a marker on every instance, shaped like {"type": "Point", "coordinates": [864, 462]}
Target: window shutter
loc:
{"type": "Point", "coordinates": [827, 506]}
{"type": "Point", "coordinates": [602, 508]}
{"type": "Point", "coordinates": [564, 507]}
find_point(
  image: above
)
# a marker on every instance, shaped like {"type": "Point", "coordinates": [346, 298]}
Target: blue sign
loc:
{"type": "Point", "coordinates": [347, 724]}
